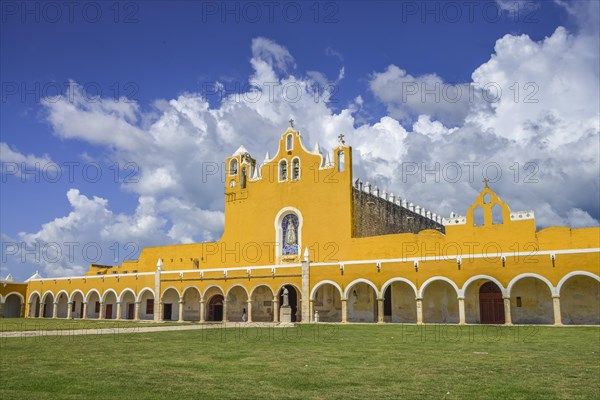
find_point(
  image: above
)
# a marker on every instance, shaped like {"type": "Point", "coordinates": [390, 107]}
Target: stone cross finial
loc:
{"type": "Point", "coordinates": [485, 182]}
{"type": "Point", "coordinates": [341, 139]}
{"type": "Point", "coordinates": [291, 121]}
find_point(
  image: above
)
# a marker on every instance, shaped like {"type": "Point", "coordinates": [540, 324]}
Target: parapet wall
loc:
{"type": "Point", "coordinates": [374, 215]}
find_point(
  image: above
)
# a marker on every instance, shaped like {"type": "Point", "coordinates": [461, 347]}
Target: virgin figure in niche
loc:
{"type": "Point", "coordinates": [290, 236]}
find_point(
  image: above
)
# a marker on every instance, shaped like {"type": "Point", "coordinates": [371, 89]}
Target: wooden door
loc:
{"type": "Point", "coordinates": [130, 310]}
{"type": "Point", "coordinates": [491, 304]}
{"type": "Point", "coordinates": [108, 312]}
{"type": "Point", "coordinates": [167, 311]}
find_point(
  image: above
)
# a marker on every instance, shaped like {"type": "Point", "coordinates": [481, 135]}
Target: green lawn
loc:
{"type": "Point", "coordinates": [34, 324]}
{"type": "Point", "coordinates": [324, 362]}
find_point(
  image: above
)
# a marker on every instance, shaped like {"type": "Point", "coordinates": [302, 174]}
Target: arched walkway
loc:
{"type": "Point", "coordinates": [399, 303]}
{"type": "Point", "coordinates": [63, 305]}
{"type": "Point", "coordinates": [109, 303]}
{"type": "Point", "coordinates": [237, 303]}
{"type": "Point", "coordinates": [262, 304]}
{"type": "Point", "coordinates": [327, 302]}
{"type": "Point", "coordinates": [13, 303]}
{"type": "Point", "coordinates": [146, 299]}
{"type": "Point", "coordinates": [93, 304]}
{"type": "Point", "coordinates": [580, 301]}
{"type": "Point", "coordinates": [484, 303]}
{"type": "Point", "coordinates": [34, 305]}
{"type": "Point", "coordinates": [191, 304]}
{"type": "Point", "coordinates": [48, 305]}
{"type": "Point", "coordinates": [127, 300]}
{"type": "Point", "coordinates": [440, 303]}
{"type": "Point", "coordinates": [170, 305]}
{"type": "Point", "coordinates": [77, 304]}
{"type": "Point", "coordinates": [215, 308]}
{"type": "Point", "coordinates": [293, 300]}
{"type": "Point", "coordinates": [531, 302]}
{"type": "Point", "coordinates": [362, 303]}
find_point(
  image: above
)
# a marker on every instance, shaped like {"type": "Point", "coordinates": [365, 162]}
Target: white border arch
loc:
{"type": "Point", "coordinates": [61, 292]}
{"type": "Point", "coordinates": [87, 296]}
{"type": "Point", "coordinates": [277, 226]}
{"type": "Point", "coordinates": [438, 278]}
{"type": "Point", "coordinates": [572, 274]}
{"type": "Point", "coordinates": [237, 285]}
{"type": "Point", "coordinates": [398, 279]}
{"type": "Point", "coordinates": [144, 290]}
{"type": "Point", "coordinates": [361, 280]}
{"type": "Point", "coordinates": [298, 290]}
{"type": "Point", "coordinates": [162, 295]}
{"type": "Point", "coordinates": [31, 295]}
{"type": "Point", "coordinates": [106, 292]}
{"type": "Point", "coordinates": [487, 277]}
{"type": "Point", "coordinates": [530, 275]}
{"type": "Point", "coordinates": [212, 286]}
{"type": "Point", "coordinates": [259, 285]}
{"type": "Point", "coordinates": [321, 283]}
{"type": "Point", "coordinates": [130, 290]}
{"type": "Point", "coordinates": [43, 299]}
{"type": "Point", "coordinates": [19, 295]}
{"type": "Point", "coordinates": [74, 292]}
{"type": "Point", "coordinates": [192, 287]}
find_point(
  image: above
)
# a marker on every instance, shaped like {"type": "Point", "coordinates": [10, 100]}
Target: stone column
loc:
{"type": "Point", "coordinates": [311, 311]}
{"type": "Point", "coordinates": [85, 306]}
{"type": "Point", "coordinates": [557, 316]}
{"type": "Point", "coordinates": [461, 311]}
{"type": "Point", "coordinates": [249, 303]}
{"type": "Point", "coordinates": [344, 311]}
{"type": "Point", "coordinates": [180, 311]}
{"type": "Point", "coordinates": [136, 316]}
{"type": "Point", "coordinates": [100, 314]}
{"type": "Point", "coordinates": [1, 310]}
{"type": "Point", "coordinates": [306, 311]}
{"type": "Point", "coordinates": [22, 311]}
{"type": "Point", "coordinates": [70, 310]}
{"type": "Point", "coordinates": [202, 311]}
{"type": "Point", "coordinates": [29, 308]}
{"type": "Point", "coordinates": [507, 314]}
{"type": "Point", "coordinates": [55, 310]}
{"type": "Point", "coordinates": [224, 309]}
{"type": "Point", "coordinates": [161, 312]}
{"type": "Point", "coordinates": [157, 310]}
{"type": "Point", "coordinates": [118, 310]}
{"type": "Point", "coordinates": [275, 309]}
{"type": "Point", "coordinates": [380, 316]}
{"type": "Point", "coordinates": [419, 310]}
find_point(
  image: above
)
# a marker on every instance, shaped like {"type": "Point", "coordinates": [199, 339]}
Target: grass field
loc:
{"type": "Point", "coordinates": [34, 324]}
{"type": "Point", "coordinates": [309, 362]}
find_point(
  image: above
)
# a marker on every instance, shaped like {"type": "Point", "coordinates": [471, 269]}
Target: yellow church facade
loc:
{"type": "Point", "coordinates": [342, 251]}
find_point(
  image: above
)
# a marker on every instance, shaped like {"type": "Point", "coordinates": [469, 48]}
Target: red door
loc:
{"type": "Point", "coordinates": [491, 304]}
{"type": "Point", "coordinates": [130, 310]}
{"type": "Point", "coordinates": [108, 313]}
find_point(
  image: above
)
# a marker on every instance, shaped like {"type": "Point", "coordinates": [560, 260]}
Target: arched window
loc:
{"type": "Point", "coordinates": [289, 142]}
{"type": "Point", "coordinates": [243, 180]}
{"type": "Point", "coordinates": [296, 169]}
{"type": "Point", "coordinates": [233, 167]}
{"type": "Point", "coordinates": [341, 160]}
{"type": "Point", "coordinates": [289, 235]}
{"type": "Point", "coordinates": [283, 172]}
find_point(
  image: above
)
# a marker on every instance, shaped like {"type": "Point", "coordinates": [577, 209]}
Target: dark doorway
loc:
{"type": "Point", "coordinates": [81, 310]}
{"type": "Point", "coordinates": [292, 299]}
{"type": "Point", "coordinates": [215, 308]}
{"type": "Point", "coordinates": [491, 304]}
{"type": "Point", "coordinates": [387, 304]}
{"type": "Point", "coordinates": [108, 313]}
{"type": "Point", "coordinates": [130, 310]}
{"type": "Point", "coordinates": [167, 311]}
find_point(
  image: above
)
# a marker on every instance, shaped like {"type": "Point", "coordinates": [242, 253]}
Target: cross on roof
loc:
{"type": "Point", "coordinates": [291, 122]}
{"type": "Point", "coordinates": [485, 182]}
{"type": "Point", "coordinates": [341, 139]}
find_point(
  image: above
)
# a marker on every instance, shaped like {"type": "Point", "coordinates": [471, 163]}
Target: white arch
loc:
{"type": "Point", "coordinates": [277, 226]}
{"type": "Point", "coordinates": [72, 297]}
{"type": "Point", "coordinates": [106, 292]}
{"type": "Point", "coordinates": [169, 288]}
{"type": "Point", "coordinates": [237, 285]}
{"type": "Point", "coordinates": [298, 290]}
{"type": "Point", "coordinates": [43, 300]}
{"type": "Point", "coordinates": [213, 286]}
{"type": "Point", "coordinates": [259, 285]}
{"type": "Point", "coordinates": [438, 278]}
{"type": "Point", "coordinates": [530, 275]}
{"type": "Point", "coordinates": [390, 281]}
{"type": "Point", "coordinates": [361, 280]}
{"type": "Point", "coordinates": [87, 296]}
{"type": "Point", "coordinates": [477, 277]}
{"type": "Point", "coordinates": [61, 292]}
{"type": "Point", "coordinates": [19, 295]}
{"type": "Point", "coordinates": [141, 293]}
{"type": "Point", "coordinates": [120, 297]}
{"type": "Point", "coordinates": [575, 273]}
{"type": "Point", "coordinates": [31, 296]}
{"type": "Point", "coordinates": [197, 289]}
{"type": "Point", "coordinates": [321, 283]}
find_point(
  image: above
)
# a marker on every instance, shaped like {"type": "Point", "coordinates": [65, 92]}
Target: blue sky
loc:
{"type": "Point", "coordinates": [165, 58]}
